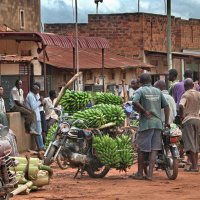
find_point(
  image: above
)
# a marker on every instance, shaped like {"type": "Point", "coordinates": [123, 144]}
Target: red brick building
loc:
{"type": "Point", "coordinates": [142, 37]}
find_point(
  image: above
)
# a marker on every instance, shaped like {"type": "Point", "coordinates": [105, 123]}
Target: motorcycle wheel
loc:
{"type": "Point", "coordinates": [62, 162]}
{"type": "Point", "coordinates": [97, 173]}
{"type": "Point", "coordinates": [6, 196]}
{"type": "Point", "coordinates": [171, 168]}
{"type": "Point", "coordinates": [48, 160]}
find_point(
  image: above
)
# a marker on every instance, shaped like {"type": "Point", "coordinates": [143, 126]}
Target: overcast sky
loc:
{"type": "Point", "coordinates": [61, 11]}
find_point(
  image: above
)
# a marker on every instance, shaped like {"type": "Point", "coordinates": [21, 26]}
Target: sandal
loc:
{"type": "Point", "coordinates": [136, 176]}
{"type": "Point", "coordinates": [147, 178]}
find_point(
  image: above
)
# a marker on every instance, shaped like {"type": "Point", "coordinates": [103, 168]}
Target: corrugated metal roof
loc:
{"type": "Point", "coordinates": [15, 59]}
{"type": "Point", "coordinates": [176, 54]}
{"type": "Point", "coordinates": [48, 39]}
{"type": "Point", "coordinates": [89, 59]}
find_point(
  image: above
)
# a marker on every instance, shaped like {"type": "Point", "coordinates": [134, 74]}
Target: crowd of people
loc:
{"type": "Point", "coordinates": [36, 110]}
{"type": "Point", "coordinates": [159, 108]}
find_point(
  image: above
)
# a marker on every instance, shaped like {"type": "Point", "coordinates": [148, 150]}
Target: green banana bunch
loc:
{"type": "Point", "coordinates": [114, 152]}
{"type": "Point", "coordinates": [107, 98]}
{"type": "Point", "coordinates": [125, 151]}
{"type": "Point", "coordinates": [135, 123]}
{"type": "Point", "coordinates": [93, 118]}
{"type": "Point", "coordinates": [106, 150]}
{"type": "Point", "coordinates": [50, 133]}
{"type": "Point", "coordinates": [73, 101]}
{"type": "Point", "coordinates": [112, 113]}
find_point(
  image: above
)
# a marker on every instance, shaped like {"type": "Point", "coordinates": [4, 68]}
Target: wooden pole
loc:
{"type": "Point", "coordinates": [65, 87]}
{"type": "Point", "coordinates": [125, 99]}
{"type": "Point", "coordinates": [169, 53]}
{"type": "Point", "coordinates": [22, 188]}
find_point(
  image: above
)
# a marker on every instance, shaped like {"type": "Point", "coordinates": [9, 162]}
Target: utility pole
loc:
{"type": "Point", "coordinates": [138, 6]}
{"type": "Point", "coordinates": [97, 2]}
{"type": "Point", "coordinates": [169, 53]}
{"type": "Point", "coordinates": [77, 55]}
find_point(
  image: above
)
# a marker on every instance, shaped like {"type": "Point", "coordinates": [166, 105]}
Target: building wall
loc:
{"type": "Point", "coordinates": [62, 29]}
{"type": "Point", "coordinates": [11, 47]}
{"type": "Point", "coordinates": [10, 14]}
{"type": "Point", "coordinates": [131, 33]}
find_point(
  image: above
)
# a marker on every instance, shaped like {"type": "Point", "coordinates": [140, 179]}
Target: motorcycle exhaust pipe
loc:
{"type": "Point", "coordinates": [79, 158]}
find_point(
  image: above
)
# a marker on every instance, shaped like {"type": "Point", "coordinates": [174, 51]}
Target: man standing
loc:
{"type": "Point", "coordinates": [189, 114]}
{"type": "Point", "coordinates": [34, 104]}
{"type": "Point", "coordinates": [135, 84]}
{"type": "Point", "coordinates": [3, 118]}
{"type": "Point", "coordinates": [149, 101]}
{"type": "Point", "coordinates": [160, 84]}
{"type": "Point", "coordinates": [173, 78]}
{"type": "Point", "coordinates": [17, 104]}
{"type": "Point", "coordinates": [51, 116]}
{"type": "Point", "coordinates": [179, 88]}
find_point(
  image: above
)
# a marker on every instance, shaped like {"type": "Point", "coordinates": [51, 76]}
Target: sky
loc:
{"type": "Point", "coordinates": [62, 11]}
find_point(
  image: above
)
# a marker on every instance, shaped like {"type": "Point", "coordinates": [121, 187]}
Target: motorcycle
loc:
{"type": "Point", "coordinates": [7, 178]}
{"type": "Point", "coordinates": [72, 147]}
{"type": "Point", "coordinates": [168, 157]}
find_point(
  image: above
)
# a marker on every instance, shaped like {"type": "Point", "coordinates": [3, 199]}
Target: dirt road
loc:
{"type": "Point", "coordinates": [117, 186]}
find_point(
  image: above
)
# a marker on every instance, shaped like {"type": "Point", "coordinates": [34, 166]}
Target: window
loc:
{"type": "Point", "coordinates": [22, 19]}
{"type": "Point", "coordinates": [113, 75]}
{"type": "Point", "coordinates": [89, 75]}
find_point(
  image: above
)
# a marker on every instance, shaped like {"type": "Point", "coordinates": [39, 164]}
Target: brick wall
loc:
{"type": "Point", "coordinates": [10, 14]}
{"type": "Point", "coordinates": [66, 29]}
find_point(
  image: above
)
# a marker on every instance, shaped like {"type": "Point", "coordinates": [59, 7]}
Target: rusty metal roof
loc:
{"type": "Point", "coordinates": [90, 59]}
{"type": "Point", "coordinates": [49, 39]}
{"type": "Point", "coordinates": [16, 59]}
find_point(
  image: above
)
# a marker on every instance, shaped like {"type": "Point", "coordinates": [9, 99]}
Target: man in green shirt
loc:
{"type": "Point", "coordinates": [149, 101]}
{"type": "Point", "coordinates": [173, 80]}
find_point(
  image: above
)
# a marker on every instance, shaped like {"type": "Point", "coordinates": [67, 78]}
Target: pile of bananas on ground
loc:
{"type": "Point", "coordinates": [114, 152]}
{"type": "Point", "coordinates": [51, 130]}
{"type": "Point", "coordinates": [92, 118]}
{"type": "Point", "coordinates": [112, 113]}
{"type": "Point", "coordinates": [73, 101]}
{"type": "Point", "coordinates": [107, 98]}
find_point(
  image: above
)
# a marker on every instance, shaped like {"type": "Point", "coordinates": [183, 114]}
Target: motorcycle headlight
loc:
{"type": "Point", "coordinates": [64, 127]}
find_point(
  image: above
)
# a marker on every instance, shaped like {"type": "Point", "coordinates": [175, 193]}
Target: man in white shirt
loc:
{"type": "Point", "coordinates": [51, 116]}
{"type": "Point", "coordinates": [17, 104]}
{"type": "Point", "coordinates": [34, 104]}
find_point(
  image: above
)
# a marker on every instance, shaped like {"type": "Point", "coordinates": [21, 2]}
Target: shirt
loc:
{"type": "Point", "coordinates": [38, 98]}
{"type": "Point", "coordinates": [172, 107]}
{"type": "Point", "coordinates": [16, 95]}
{"type": "Point", "coordinates": [2, 105]}
{"type": "Point", "coordinates": [33, 103]}
{"type": "Point", "coordinates": [48, 104]}
{"type": "Point", "coordinates": [178, 91]}
{"type": "Point", "coordinates": [152, 100]}
{"type": "Point", "coordinates": [171, 87]}
{"type": "Point", "coordinates": [191, 105]}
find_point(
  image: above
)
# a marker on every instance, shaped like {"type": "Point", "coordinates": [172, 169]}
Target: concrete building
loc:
{"type": "Point", "coordinates": [23, 15]}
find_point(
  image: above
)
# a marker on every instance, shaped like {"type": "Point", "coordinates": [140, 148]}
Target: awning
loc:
{"type": "Point", "coordinates": [90, 59]}
{"type": "Point", "coordinates": [174, 54]}
{"type": "Point", "coordinates": [48, 39]}
{"type": "Point", "coordinates": [16, 59]}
